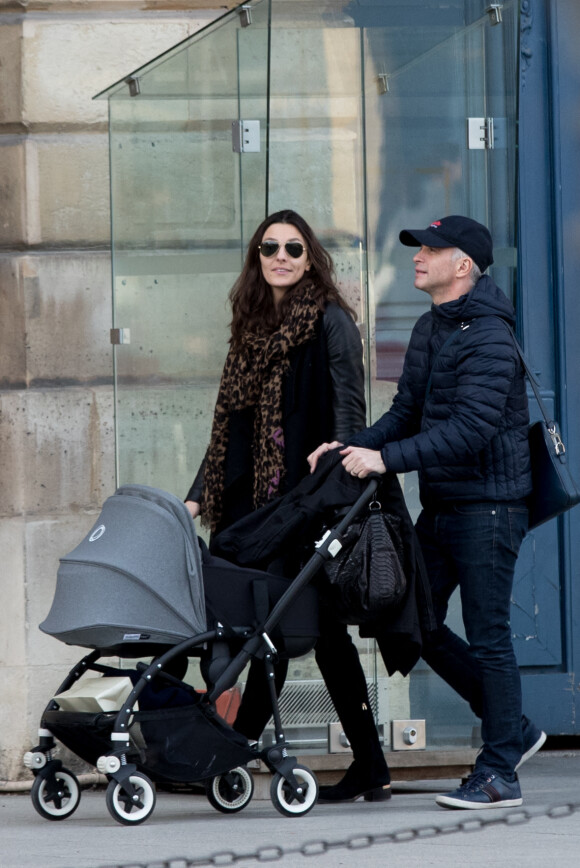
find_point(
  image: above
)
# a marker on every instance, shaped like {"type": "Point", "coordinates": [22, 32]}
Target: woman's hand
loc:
{"type": "Point", "coordinates": [360, 462]}
{"type": "Point", "coordinates": [324, 447]}
{"type": "Point", "coordinates": [193, 507]}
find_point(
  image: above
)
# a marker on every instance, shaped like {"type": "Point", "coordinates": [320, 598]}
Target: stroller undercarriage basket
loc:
{"type": "Point", "coordinates": [188, 744]}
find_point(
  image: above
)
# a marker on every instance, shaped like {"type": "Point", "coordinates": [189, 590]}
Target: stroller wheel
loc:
{"type": "Point", "coordinates": [131, 810]}
{"type": "Point", "coordinates": [56, 795]}
{"type": "Point", "coordinates": [284, 799]}
{"type": "Point", "coordinates": [231, 791]}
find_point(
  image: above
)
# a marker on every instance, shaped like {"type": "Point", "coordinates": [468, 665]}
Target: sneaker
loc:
{"type": "Point", "coordinates": [483, 789]}
{"type": "Point", "coordinates": [533, 739]}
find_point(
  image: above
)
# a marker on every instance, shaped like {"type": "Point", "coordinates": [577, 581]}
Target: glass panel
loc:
{"type": "Point", "coordinates": [178, 217]}
{"type": "Point", "coordinates": [420, 87]}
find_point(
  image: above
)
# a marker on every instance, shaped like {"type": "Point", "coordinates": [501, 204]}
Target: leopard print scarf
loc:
{"type": "Point", "coordinates": [253, 377]}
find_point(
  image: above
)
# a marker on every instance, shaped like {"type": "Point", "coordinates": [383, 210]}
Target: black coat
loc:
{"type": "Point", "coordinates": [323, 400]}
{"type": "Point", "coordinates": [284, 525]}
{"type": "Point", "coordinates": [467, 435]}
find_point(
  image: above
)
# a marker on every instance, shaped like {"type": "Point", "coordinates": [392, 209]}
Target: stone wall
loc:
{"type": "Point", "coordinates": [57, 449]}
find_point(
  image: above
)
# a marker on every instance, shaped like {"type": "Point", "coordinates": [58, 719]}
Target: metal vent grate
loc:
{"type": "Point", "coordinates": [307, 703]}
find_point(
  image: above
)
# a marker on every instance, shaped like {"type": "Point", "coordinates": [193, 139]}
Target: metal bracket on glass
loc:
{"type": "Point", "coordinates": [134, 86]}
{"type": "Point", "coordinates": [494, 12]}
{"type": "Point", "coordinates": [246, 137]}
{"type": "Point", "coordinates": [246, 16]}
{"type": "Point", "coordinates": [120, 336]}
{"type": "Point", "coordinates": [480, 134]}
{"type": "Point", "coordinates": [383, 82]}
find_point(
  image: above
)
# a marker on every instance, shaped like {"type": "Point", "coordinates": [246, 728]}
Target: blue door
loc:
{"type": "Point", "coordinates": [546, 598]}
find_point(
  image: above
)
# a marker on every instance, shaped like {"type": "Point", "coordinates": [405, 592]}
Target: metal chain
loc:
{"type": "Point", "coordinates": [274, 853]}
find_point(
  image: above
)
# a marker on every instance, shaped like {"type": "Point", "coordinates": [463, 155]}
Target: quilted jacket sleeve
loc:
{"type": "Point", "coordinates": [466, 406]}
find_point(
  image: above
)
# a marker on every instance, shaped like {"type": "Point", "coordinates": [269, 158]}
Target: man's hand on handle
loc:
{"type": "Point", "coordinates": [360, 462]}
{"type": "Point", "coordinates": [357, 461]}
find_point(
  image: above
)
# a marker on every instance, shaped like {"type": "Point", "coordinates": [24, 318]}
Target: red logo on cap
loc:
{"type": "Point", "coordinates": [436, 224]}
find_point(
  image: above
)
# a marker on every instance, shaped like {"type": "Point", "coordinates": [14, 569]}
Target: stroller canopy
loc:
{"type": "Point", "coordinates": [136, 578]}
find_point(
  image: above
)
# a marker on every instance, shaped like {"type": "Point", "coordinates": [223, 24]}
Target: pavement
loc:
{"type": "Point", "coordinates": [410, 829]}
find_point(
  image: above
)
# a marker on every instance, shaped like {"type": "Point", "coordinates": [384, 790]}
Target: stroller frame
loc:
{"type": "Point", "coordinates": [130, 795]}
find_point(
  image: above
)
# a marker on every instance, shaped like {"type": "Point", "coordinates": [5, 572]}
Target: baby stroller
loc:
{"type": "Point", "coordinates": [141, 584]}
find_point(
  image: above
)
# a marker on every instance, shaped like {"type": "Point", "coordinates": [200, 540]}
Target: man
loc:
{"type": "Point", "coordinates": [460, 418]}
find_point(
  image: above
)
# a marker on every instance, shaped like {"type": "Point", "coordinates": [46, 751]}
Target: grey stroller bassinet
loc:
{"type": "Point", "coordinates": [141, 584]}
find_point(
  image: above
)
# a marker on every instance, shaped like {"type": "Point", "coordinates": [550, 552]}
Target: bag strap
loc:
{"type": "Point", "coordinates": [551, 424]}
{"type": "Point", "coordinates": [463, 326]}
{"type": "Point", "coordinates": [532, 379]}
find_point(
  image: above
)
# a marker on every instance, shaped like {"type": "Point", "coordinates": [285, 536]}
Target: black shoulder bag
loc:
{"type": "Point", "coordinates": [554, 491]}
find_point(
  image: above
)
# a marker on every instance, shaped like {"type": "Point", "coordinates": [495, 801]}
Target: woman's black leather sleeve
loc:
{"type": "Point", "coordinates": [194, 492]}
{"type": "Point", "coordinates": [345, 359]}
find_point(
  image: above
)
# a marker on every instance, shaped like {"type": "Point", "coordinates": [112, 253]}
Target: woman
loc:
{"type": "Point", "coordinates": [293, 378]}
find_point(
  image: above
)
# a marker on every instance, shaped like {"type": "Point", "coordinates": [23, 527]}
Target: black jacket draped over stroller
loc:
{"type": "Point", "coordinates": [283, 524]}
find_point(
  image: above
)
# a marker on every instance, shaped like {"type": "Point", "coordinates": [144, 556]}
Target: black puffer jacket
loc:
{"type": "Point", "coordinates": [467, 434]}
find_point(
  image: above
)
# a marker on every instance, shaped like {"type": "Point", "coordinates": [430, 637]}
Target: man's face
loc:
{"type": "Point", "coordinates": [435, 269]}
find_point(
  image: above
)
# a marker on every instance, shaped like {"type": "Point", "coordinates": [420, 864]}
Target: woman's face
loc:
{"type": "Point", "coordinates": [282, 270]}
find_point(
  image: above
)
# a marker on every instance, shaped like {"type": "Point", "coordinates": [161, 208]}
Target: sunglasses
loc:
{"type": "Point", "coordinates": [295, 249]}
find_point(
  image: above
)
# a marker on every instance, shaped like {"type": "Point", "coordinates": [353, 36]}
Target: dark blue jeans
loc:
{"type": "Point", "coordinates": [475, 546]}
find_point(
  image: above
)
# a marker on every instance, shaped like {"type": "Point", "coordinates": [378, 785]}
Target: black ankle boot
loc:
{"type": "Point", "coordinates": [358, 781]}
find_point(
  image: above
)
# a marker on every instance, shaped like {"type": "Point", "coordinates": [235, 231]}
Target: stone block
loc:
{"type": "Point", "coordinates": [60, 315]}
{"type": "Point", "coordinates": [44, 681]}
{"type": "Point", "coordinates": [12, 324]}
{"type": "Point", "coordinates": [163, 434]}
{"type": "Point", "coordinates": [70, 59]}
{"type": "Point", "coordinates": [16, 734]}
{"type": "Point", "coordinates": [13, 229]}
{"type": "Point", "coordinates": [72, 195]}
{"type": "Point", "coordinates": [55, 190]}
{"type": "Point", "coordinates": [13, 594]}
{"type": "Point", "coordinates": [10, 52]}
{"type": "Point", "coordinates": [126, 6]}
{"type": "Point", "coordinates": [47, 540]}
{"type": "Point", "coordinates": [178, 321]}
{"type": "Point", "coordinates": [26, 691]}
{"type": "Point", "coordinates": [192, 179]}
{"type": "Point", "coordinates": [67, 299]}
{"type": "Point", "coordinates": [58, 450]}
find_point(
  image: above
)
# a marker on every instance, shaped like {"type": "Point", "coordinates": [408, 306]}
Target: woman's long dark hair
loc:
{"type": "Point", "coordinates": [251, 296]}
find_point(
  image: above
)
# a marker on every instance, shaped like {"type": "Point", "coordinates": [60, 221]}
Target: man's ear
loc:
{"type": "Point", "coordinates": [464, 266]}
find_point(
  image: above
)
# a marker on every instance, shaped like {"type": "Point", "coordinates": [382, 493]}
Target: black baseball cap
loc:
{"type": "Point", "coordinates": [455, 231]}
